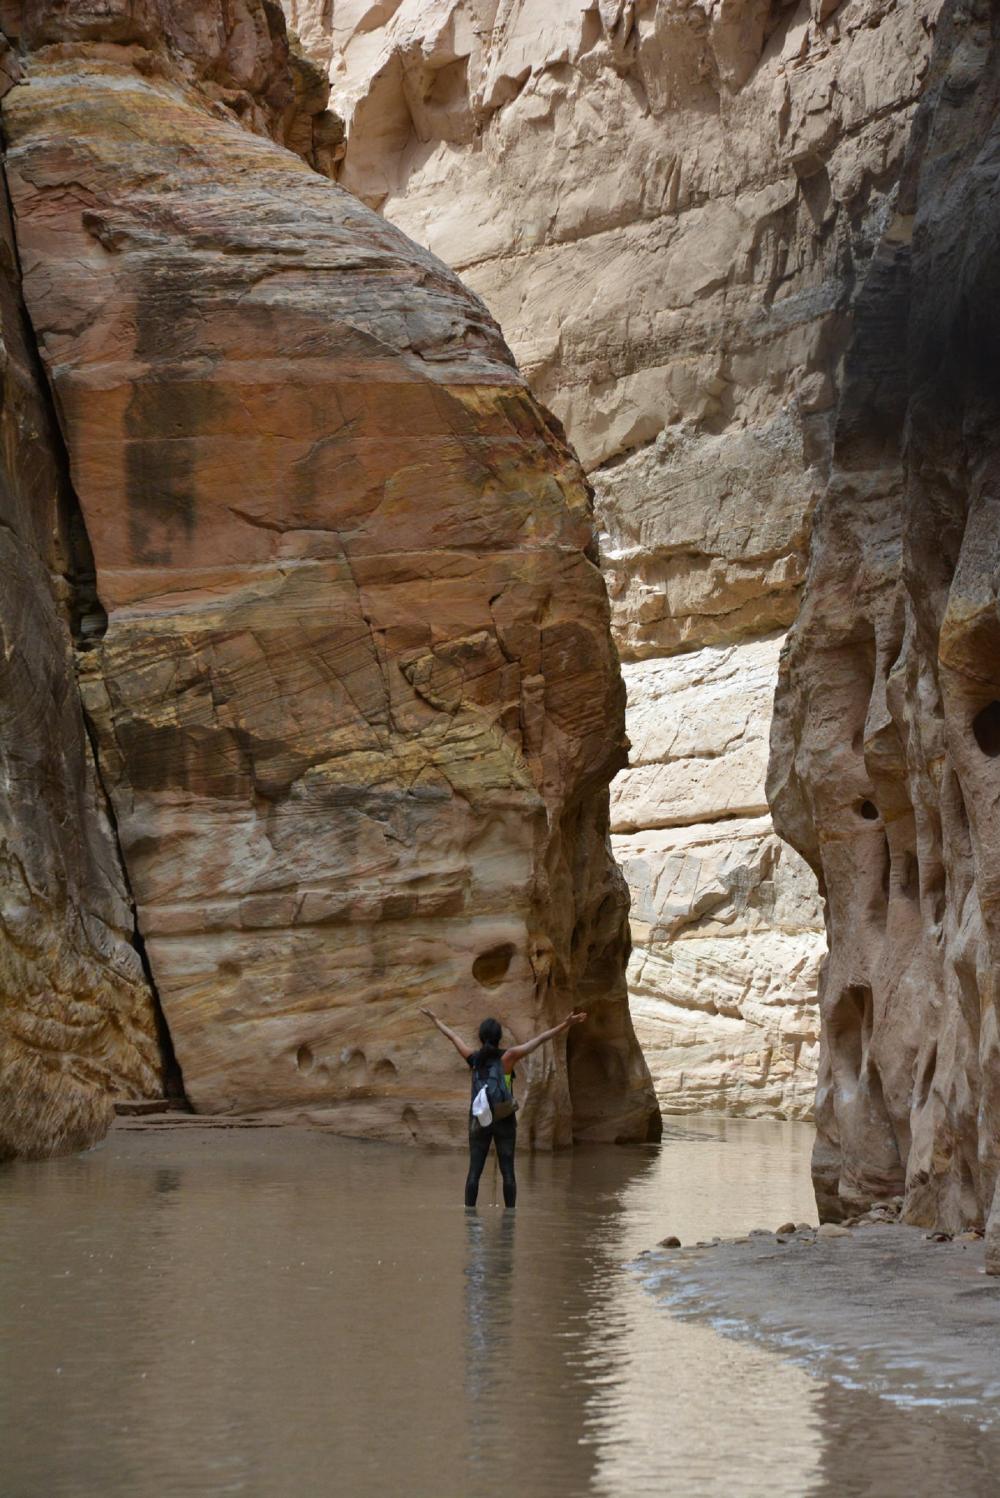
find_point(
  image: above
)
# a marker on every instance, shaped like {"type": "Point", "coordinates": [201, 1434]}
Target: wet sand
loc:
{"type": "Point", "coordinates": [883, 1309]}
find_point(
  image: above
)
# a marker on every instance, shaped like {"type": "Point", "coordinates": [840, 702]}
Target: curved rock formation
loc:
{"type": "Point", "coordinates": [887, 735]}
{"type": "Point", "coordinates": [357, 705]}
{"type": "Point", "coordinates": [667, 205]}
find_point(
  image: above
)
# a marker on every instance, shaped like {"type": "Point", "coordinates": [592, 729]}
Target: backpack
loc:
{"type": "Point", "coordinates": [489, 1079]}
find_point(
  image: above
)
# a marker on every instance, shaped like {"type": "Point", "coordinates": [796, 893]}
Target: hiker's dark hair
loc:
{"type": "Point", "coordinates": [490, 1032]}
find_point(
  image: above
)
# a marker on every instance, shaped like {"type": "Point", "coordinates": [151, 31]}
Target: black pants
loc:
{"type": "Point", "coordinates": [503, 1134]}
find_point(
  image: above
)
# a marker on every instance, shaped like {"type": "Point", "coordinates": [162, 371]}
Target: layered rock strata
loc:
{"type": "Point", "coordinates": [722, 984]}
{"type": "Point", "coordinates": [357, 705]}
{"type": "Point", "coordinates": [667, 206]}
{"type": "Point", "coordinates": [887, 734]}
{"type": "Point", "coordinates": [236, 54]}
{"type": "Point", "coordinates": [77, 1024]}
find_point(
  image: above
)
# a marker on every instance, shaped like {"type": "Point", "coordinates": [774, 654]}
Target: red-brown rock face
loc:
{"type": "Point", "coordinates": [886, 752]}
{"type": "Point", "coordinates": [76, 1014]}
{"type": "Point", "coordinates": [357, 705]}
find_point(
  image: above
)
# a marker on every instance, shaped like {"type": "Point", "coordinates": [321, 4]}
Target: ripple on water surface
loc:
{"type": "Point", "coordinates": [279, 1312]}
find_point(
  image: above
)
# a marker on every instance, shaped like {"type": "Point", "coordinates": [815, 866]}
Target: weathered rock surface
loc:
{"type": "Point", "coordinates": [723, 975]}
{"type": "Point", "coordinates": [667, 206]}
{"type": "Point", "coordinates": [76, 1015]}
{"type": "Point", "coordinates": [885, 760]}
{"type": "Point", "coordinates": [722, 986]}
{"type": "Point", "coordinates": [357, 705]}
{"type": "Point", "coordinates": [235, 52]}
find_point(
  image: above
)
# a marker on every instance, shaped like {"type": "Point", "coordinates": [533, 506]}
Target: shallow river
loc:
{"type": "Point", "coordinates": [286, 1314]}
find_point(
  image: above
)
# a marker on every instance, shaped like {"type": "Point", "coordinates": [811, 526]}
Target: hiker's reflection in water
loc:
{"type": "Point", "coordinates": [489, 1280]}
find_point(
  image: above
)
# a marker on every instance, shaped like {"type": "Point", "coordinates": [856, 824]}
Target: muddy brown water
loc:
{"type": "Point", "coordinates": [281, 1313]}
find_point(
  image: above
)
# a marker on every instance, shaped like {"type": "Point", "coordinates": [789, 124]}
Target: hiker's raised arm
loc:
{"type": "Point", "coordinates": [465, 1051]}
{"type": "Point", "coordinates": [518, 1052]}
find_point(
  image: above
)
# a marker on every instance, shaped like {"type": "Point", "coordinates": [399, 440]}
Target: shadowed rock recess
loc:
{"type": "Point", "coordinates": [356, 705]}
{"type": "Point", "coordinates": [668, 206]}
{"type": "Point", "coordinates": [886, 750]}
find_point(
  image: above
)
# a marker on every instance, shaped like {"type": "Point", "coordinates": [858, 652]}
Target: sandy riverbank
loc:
{"type": "Point", "coordinates": [883, 1308]}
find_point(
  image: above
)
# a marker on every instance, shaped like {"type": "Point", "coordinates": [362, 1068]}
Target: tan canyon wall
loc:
{"type": "Point", "coordinates": [77, 1022]}
{"type": "Point", "coordinates": [886, 770]}
{"type": "Point", "coordinates": [668, 207]}
{"type": "Point", "coordinates": [349, 671]}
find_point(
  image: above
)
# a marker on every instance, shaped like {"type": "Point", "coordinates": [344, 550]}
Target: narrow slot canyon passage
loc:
{"type": "Point", "coordinates": [498, 517]}
{"type": "Point", "coordinates": [727, 924]}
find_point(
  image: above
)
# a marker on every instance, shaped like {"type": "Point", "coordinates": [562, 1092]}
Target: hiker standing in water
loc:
{"type": "Point", "coordinates": [493, 1075]}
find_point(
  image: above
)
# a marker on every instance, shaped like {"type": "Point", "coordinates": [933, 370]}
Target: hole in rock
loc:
{"type": "Point", "coordinates": [850, 1026]}
{"type": "Point", "coordinates": [868, 810]}
{"type": "Point", "coordinates": [606, 910]}
{"type": "Point", "coordinates": [986, 727]}
{"type": "Point", "coordinates": [385, 1069]}
{"type": "Point", "coordinates": [356, 1063]}
{"type": "Point", "coordinates": [927, 1076]}
{"type": "Point", "coordinates": [490, 968]}
{"type": "Point", "coordinates": [304, 1059]}
{"type": "Point", "coordinates": [449, 84]}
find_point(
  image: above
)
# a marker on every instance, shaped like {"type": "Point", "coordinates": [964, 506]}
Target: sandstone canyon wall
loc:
{"type": "Point", "coordinates": [77, 1022]}
{"type": "Point", "coordinates": [668, 206]}
{"type": "Point", "coordinates": [356, 704]}
{"type": "Point", "coordinates": [887, 731]}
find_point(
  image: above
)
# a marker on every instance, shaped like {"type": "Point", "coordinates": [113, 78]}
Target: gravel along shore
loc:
{"type": "Point", "coordinates": [909, 1315]}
